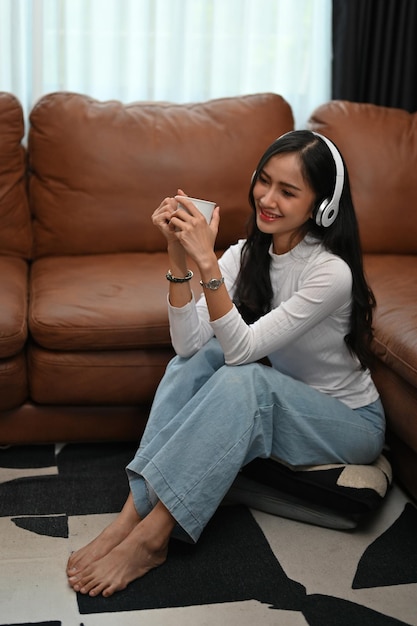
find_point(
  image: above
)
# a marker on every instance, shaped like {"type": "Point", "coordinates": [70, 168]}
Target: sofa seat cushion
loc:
{"type": "Point", "coordinates": [124, 377]}
{"type": "Point", "coordinates": [100, 302]}
{"type": "Point", "coordinates": [13, 309]}
{"type": "Point", "coordinates": [14, 389]}
{"type": "Point", "coordinates": [393, 279]}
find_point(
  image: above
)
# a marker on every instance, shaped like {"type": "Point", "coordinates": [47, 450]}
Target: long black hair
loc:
{"type": "Point", "coordinates": [253, 295]}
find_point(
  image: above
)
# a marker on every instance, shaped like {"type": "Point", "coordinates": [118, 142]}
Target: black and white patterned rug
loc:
{"type": "Point", "coordinates": [248, 566]}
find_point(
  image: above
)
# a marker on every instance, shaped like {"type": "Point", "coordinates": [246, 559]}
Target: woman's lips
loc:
{"type": "Point", "coordinates": [268, 216]}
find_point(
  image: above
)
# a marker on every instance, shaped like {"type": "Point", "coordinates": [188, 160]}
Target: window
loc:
{"type": "Point", "coordinates": [174, 50]}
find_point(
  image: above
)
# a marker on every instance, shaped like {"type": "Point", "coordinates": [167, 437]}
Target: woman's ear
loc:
{"type": "Point", "coordinates": [313, 211]}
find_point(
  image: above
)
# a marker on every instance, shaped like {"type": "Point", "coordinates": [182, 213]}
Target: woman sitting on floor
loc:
{"type": "Point", "coordinates": [293, 292]}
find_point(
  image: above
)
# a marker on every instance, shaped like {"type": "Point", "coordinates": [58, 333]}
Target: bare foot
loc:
{"type": "Point", "coordinates": [131, 559]}
{"type": "Point", "coordinates": [145, 548]}
{"type": "Point", "coordinates": [111, 536]}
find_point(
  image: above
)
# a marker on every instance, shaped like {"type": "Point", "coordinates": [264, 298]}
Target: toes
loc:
{"type": "Point", "coordinates": [112, 588]}
{"type": "Point", "coordinates": [73, 582]}
{"type": "Point", "coordinates": [86, 586]}
{"type": "Point", "coordinates": [106, 588]}
{"type": "Point", "coordinates": [71, 561]}
{"type": "Point", "coordinates": [82, 582]}
{"type": "Point", "coordinates": [72, 568]}
{"type": "Point", "coordinates": [95, 591]}
{"type": "Point", "coordinates": [109, 591]}
{"type": "Point", "coordinates": [94, 588]}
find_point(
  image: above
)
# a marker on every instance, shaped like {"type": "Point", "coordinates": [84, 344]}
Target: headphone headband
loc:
{"type": "Point", "coordinates": [326, 213]}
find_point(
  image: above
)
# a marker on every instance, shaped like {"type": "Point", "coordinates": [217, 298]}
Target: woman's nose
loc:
{"type": "Point", "coordinates": [270, 198]}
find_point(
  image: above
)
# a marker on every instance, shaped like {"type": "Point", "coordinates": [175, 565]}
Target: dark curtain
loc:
{"type": "Point", "coordinates": [375, 52]}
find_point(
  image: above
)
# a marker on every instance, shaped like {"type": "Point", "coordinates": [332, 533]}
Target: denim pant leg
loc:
{"type": "Point", "coordinates": [182, 379]}
{"type": "Point", "coordinates": [238, 414]}
{"type": "Point", "coordinates": [191, 462]}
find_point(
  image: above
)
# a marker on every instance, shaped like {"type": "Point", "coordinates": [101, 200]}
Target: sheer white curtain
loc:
{"type": "Point", "coordinates": [175, 50]}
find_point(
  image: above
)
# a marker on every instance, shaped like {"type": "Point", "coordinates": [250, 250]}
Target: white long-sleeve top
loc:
{"type": "Point", "coordinates": [302, 335]}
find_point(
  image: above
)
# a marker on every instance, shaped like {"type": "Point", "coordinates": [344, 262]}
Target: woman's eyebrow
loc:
{"type": "Point", "coordinates": [283, 183]}
{"type": "Point", "coordinates": [264, 173]}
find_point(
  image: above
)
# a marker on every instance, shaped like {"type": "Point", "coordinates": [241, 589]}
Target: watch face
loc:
{"type": "Point", "coordinates": [215, 283]}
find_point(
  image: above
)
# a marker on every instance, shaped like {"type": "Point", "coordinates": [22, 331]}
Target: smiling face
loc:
{"type": "Point", "coordinates": [284, 201]}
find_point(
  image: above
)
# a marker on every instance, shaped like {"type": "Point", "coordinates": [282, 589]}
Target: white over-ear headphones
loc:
{"type": "Point", "coordinates": [326, 212]}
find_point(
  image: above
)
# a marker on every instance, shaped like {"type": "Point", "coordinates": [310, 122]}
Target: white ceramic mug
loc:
{"type": "Point", "coordinates": [204, 206]}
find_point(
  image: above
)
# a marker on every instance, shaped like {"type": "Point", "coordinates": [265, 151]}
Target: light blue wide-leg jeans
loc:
{"type": "Point", "coordinates": [209, 419]}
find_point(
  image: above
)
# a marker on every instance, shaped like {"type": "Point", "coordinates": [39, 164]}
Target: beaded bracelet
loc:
{"type": "Point", "coordinates": [174, 279]}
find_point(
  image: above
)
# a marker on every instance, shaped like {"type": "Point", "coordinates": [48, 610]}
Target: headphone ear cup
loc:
{"type": "Point", "coordinates": [319, 210]}
{"type": "Point", "coordinates": [326, 212]}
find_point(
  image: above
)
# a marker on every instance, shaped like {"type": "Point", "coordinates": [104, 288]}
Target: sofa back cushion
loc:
{"type": "Point", "coordinates": [99, 169]}
{"type": "Point", "coordinates": [15, 228]}
{"type": "Point", "coordinates": [379, 145]}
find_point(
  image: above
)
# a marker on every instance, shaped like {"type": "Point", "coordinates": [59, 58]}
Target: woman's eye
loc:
{"type": "Point", "coordinates": [287, 194]}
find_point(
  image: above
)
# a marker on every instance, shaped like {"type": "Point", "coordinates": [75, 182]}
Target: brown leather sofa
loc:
{"type": "Point", "coordinates": [84, 338]}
